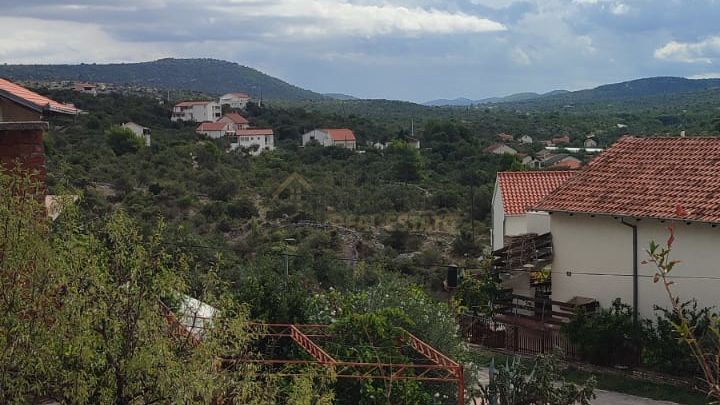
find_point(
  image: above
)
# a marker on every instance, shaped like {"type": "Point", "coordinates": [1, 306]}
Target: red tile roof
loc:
{"type": "Point", "coordinates": [191, 103]}
{"type": "Point", "coordinates": [32, 100]}
{"type": "Point", "coordinates": [567, 164]}
{"type": "Point", "coordinates": [646, 177]}
{"type": "Point", "coordinates": [212, 126]}
{"type": "Point", "coordinates": [253, 132]}
{"type": "Point", "coordinates": [239, 95]}
{"type": "Point", "coordinates": [236, 118]}
{"type": "Point", "coordinates": [522, 189]}
{"type": "Point", "coordinates": [505, 136]}
{"type": "Point", "coordinates": [340, 134]}
{"type": "Point", "coordinates": [496, 146]}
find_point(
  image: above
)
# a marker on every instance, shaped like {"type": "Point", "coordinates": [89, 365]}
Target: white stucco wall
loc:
{"type": "Point", "coordinates": [321, 137]}
{"type": "Point", "coordinates": [584, 244]}
{"type": "Point", "coordinates": [498, 218]}
{"type": "Point", "coordinates": [264, 143]}
{"type": "Point", "coordinates": [538, 222]}
{"type": "Point", "coordinates": [515, 225]}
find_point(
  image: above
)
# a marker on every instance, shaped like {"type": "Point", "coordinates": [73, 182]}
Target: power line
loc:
{"type": "Point", "coordinates": [350, 259]}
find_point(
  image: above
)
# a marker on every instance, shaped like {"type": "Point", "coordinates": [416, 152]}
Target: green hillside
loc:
{"type": "Point", "coordinates": [202, 75]}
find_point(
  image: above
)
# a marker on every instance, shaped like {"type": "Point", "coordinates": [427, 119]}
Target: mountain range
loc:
{"type": "Point", "coordinates": [201, 75]}
{"type": "Point", "coordinates": [217, 77]}
{"type": "Point", "coordinates": [507, 99]}
{"type": "Point", "coordinates": [650, 86]}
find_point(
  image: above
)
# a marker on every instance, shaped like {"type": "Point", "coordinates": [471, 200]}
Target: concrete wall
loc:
{"type": "Point", "coordinates": [603, 245]}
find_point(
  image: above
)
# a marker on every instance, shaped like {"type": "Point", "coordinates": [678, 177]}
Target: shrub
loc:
{"type": "Point", "coordinates": [609, 337]}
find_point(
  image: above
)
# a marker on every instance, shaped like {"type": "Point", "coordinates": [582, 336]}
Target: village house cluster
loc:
{"type": "Point", "coordinates": [556, 154]}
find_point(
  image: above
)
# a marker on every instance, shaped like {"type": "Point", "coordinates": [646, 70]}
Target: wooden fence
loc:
{"type": "Point", "coordinates": [493, 334]}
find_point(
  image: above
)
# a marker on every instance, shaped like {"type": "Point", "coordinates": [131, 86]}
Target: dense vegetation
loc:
{"type": "Point", "coordinates": [349, 259]}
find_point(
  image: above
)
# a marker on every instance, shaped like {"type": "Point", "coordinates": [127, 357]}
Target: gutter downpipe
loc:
{"type": "Point", "coordinates": [635, 270]}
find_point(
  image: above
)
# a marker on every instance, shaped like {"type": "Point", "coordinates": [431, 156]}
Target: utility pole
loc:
{"type": "Point", "coordinates": [287, 256]}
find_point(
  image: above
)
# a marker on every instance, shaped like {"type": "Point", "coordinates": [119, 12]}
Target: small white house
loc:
{"type": "Point", "coordinates": [604, 218]}
{"type": "Point", "coordinates": [196, 111]}
{"type": "Point", "coordinates": [514, 193]}
{"type": "Point", "coordinates": [526, 139]}
{"type": "Point", "coordinates": [340, 137]}
{"type": "Point", "coordinates": [215, 130]}
{"type": "Point", "coordinates": [139, 131]}
{"type": "Point", "coordinates": [237, 121]}
{"type": "Point", "coordinates": [235, 100]}
{"type": "Point", "coordinates": [256, 140]}
{"type": "Point", "coordinates": [499, 149]}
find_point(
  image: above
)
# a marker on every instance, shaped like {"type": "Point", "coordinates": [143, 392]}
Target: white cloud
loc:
{"type": "Point", "coordinates": [30, 40]}
{"type": "Point", "coordinates": [690, 52]}
{"type": "Point", "coordinates": [619, 9]}
{"type": "Point", "coordinates": [325, 17]}
{"type": "Point", "coordinates": [705, 76]}
{"type": "Point", "coordinates": [520, 57]}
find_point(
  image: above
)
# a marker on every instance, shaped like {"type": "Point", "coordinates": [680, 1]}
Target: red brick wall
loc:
{"type": "Point", "coordinates": [22, 143]}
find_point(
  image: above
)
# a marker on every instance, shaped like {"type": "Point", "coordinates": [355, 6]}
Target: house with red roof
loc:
{"type": "Point", "coordinates": [237, 121]}
{"type": "Point", "coordinates": [604, 217]}
{"type": "Point", "coordinates": [340, 137]}
{"type": "Point", "coordinates": [196, 111]}
{"type": "Point", "coordinates": [505, 137]}
{"type": "Point", "coordinates": [499, 149]}
{"type": "Point", "coordinates": [88, 88]}
{"type": "Point", "coordinates": [22, 127]}
{"type": "Point", "coordinates": [215, 130]}
{"type": "Point", "coordinates": [516, 191]}
{"type": "Point", "coordinates": [235, 100]}
{"type": "Point", "coordinates": [255, 140]}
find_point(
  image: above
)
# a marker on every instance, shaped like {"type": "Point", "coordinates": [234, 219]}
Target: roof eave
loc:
{"type": "Point", "coordinates": [617, 215]}
{"type": "Point", "coordinates": [23, 102]}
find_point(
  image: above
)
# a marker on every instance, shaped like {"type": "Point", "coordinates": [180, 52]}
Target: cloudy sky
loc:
{"type": "Point", "coordinates": [413, 50]}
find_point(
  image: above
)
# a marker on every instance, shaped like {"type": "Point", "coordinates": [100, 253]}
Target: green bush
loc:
{"type": "Point", "coordinates": [665, 350]}
{"type": "Point", "coordinates": [609, 337]}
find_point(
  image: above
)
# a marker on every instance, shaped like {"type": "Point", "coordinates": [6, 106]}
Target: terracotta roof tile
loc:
{"type": "Point", "coordinates": [251, 132]}
{"type": "Point", "coordinates": [522, 189]}
{"type": "Point", "coordinates": [646, 177]}
{"type": "Point", "coordinates": [212, 126]}
{"type": "Point", "coordinates": [340, 134]}
{"type": "Point", "coordinates": [191, 103]}
{"type": "Point", "coordinates": [236, 118]}
{"type": "Point", "coordinates": [33, 100]}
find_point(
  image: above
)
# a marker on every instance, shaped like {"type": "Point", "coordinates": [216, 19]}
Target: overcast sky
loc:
{"type": "Point", "coordinates": [413, 50]}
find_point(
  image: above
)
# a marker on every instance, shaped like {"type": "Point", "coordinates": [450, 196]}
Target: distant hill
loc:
{"type": "Point", "coordinates": [513, 97]}
{"type": "Point", "coordinates": [202, 75]}
{"type": "Point", "coordinates": [340, 96]}
{"type": "Point", "coordinates": [625, 91]}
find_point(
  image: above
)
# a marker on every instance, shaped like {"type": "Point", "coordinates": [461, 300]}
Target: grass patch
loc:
{"type": "Point", "coordinates": [631, 386]}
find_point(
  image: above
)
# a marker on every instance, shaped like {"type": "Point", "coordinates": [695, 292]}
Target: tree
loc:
{"type": "Point", "coordinates": [123, 140]}
{"type": "Point", "coordinates": [81, 318]}
{"type": "Point", "coordinates": [406, 164]}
